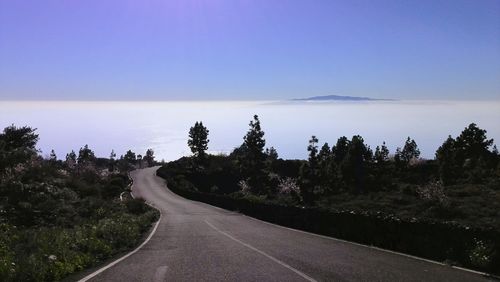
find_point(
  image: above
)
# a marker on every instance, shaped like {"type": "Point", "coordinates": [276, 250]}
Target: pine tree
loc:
{"type": "Point", "coordinates": [381, 153]}
{"type": "Point", "coordinates": [112, 161]}
{"type": "Point", "coordinates": [340, 149]}
{"type": "Point", "coordinates": [53, 156]}
{"type": "Point", "coordinates": [149, 157]}
{"type": "Point", "coordinates": [252, 160]}
{"type": "Point", "coordinates": [85, 155]}
{"type": "Point", "coordinates": [71, 159]}
{"type": "Point", "coordinates": [312, 148]}
{"type": "Point", "coordinates": [130, 157]}
{"type": "Point", "coordinates": [410, 151]}
{"type": "Point", "coordinates": [198, 140]}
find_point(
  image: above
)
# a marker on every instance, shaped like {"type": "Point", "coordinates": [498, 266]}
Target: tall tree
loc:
{"type": "Point", "coordinates": [254, 139]}
{"type": "Point", "coordinates": [410, 151]}
{"type": "Point", "coordinates": [130, 157]}
{"type": "Point", "coordinates": [327, 170]}
{"type": "Point", "coordinates": [340, 149]}
{"type": "Point", "coordinates": [112, 155]}
{"type": "Point", "coordinates": [354, 164]}
{"type": "Point", "coordinates": [17, 146]}
{"type": "Point", "coordinates": [86, 160]}
{"type": "Point", "coordinates": [446, 156]}
{"type": "Point", "coordinates": [112, 160]}
{"type": "Point", "coordinates": [53, 156]}
{"type": "Point", "coordinates": [19, 138]}
{"type": "Point", "coordinates": [198, 140]}
{"type": "Point", "coordinates": [308, 174]}
{"type": "Point", "coordinates": [468, 155]}
{"type": "Point", "coordinates": [312, 148]}
{"type": "Point", "coordinates": [86, 155]}
{"type": "Point", "coordinates": [252, 161]}
{"type": "Point", "coordinates": [271, 158]}
{"type": "Point", "coordinates": [381, 153]}
{"type": "Point", "coordinates": [272, 154]}
{"type": "Point", "coordinates": [71, 159]}
{"type": "Point", "coordinates": [149, 158]}
{"type": "Point", "coordinates": [473, 143]}
{"type": "Point", "coordinates": [139, 160]}
{"type": "Point", "coordinates": [324, 154]}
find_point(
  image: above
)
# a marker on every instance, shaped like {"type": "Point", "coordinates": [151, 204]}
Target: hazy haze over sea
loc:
{"type": "Point", "coordinates": [163, 126]}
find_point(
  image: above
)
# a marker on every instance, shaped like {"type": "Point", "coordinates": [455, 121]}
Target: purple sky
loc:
{"type": "Point", "coordinates": [248, 49]}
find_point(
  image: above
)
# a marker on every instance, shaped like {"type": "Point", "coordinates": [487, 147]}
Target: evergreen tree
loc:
{"type": "Point", "coordinates": [354, 164]}
{"type": "Point", "coordinates": [381, 153]}
{"type": "Point", "coordinates": [254, 139]}
{"type": "Point", "coordinates": [112, 161]}
{"type": "Point", "coordinates": [149, 157]}
{"type": "Point", "coordinates": [272, 154]}
{"type": "Point", "coordinates": [339, 151]}
{"type": "Point", "coordinates": [71, 159]}
{"type": "Point", "coordinates": [468, 155]}
{"type": "Point", "coordinates": [85, 155]}
{"type": "Point", "coordinates": [86, 160]}
{"type": "Point", "coordinates": [324, 155]}
{"type": "Point", "coordinates": [271, 158]}
{"type": "Point", "coordinates": [139, 160]}
{"type": "Point", "coordinates": [309, 173]}
{"type": "Point", "coordinates": [473, 144]}
{"type": "Point", "coordinates": [313, 152]}
{"type": "Point", "coordinates": [327, 170]}
{"type": "Point", "coordinates": [198, 140]}
{"type": "Point", "coordinates": [53, 157]}
{"type": "Point", "coordinates": [252, 161]}
{"type": "Point", "coordinates": [446, 155]}
{"type": "Point", "coordinates": [130, 157]}
{"type": "Point", "coordinates": [17, 146]}
{"type": "Point", "coordinates": [112, 156]}
{"type": "Point", "coordinates": [410, 151]}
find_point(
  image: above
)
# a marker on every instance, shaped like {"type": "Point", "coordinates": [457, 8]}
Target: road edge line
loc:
{"type": "Point", "coordinates": [113, 263]}
{"type": "Point", "coordinates": [377, 248]}
{"type": "Point", "coordinates": [488, 275]}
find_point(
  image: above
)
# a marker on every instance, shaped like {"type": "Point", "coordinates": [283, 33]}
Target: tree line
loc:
{"type": "Point", "coordinates": [351, 164]}
{"type": "Point", "coordinates": [440, 208]}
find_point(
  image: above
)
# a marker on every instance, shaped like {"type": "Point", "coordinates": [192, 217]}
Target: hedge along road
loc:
{"type": "Point", "coordinates": [198, 242]}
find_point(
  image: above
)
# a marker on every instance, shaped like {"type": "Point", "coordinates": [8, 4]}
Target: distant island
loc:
{"type": "Point", "coordinates": [339, 98]}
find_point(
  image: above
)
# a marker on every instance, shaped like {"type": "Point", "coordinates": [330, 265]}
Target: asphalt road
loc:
{"type": "Point", "coordinates": [199, 242]}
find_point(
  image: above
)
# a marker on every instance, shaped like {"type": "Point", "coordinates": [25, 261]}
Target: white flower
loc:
{"type": "Point", "coordinates": [52, 257]}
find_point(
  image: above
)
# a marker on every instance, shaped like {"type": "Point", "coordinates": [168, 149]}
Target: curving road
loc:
{"type": "Point", "coordinates": [199, 242]}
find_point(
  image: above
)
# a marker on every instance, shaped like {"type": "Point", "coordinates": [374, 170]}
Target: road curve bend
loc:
{"type": "Point", "coordinates": [198, 242]}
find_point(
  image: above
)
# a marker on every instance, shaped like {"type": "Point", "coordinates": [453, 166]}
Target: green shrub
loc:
{"type": "Point", "coordinates": [481, 254]}
{"type": "Point", "coordinates": [8, 236]}
{"type": "Point", "coordinates": [136, 206]}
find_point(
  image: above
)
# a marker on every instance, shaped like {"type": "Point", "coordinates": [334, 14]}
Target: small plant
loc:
{"type": "Point", "coordinates": [433, 191]}
{"type": "Point", "coordinates": [288, 186]}
{"type": "Point", "coordinates": [244, 187]}
{"type": "Point", "coordinates": [480, 255]}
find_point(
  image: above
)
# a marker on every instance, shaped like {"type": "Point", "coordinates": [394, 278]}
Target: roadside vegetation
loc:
{"type": "Point", "coordinates": [60, 217]}
{"type": "Point", "coordinates": [447, 208]}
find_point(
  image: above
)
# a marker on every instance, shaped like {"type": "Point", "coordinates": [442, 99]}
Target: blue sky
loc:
{"type": "Point", "coordinates": [248, 49]}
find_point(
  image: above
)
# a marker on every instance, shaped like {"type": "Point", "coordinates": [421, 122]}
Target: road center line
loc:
{"type": "Point", "coordinates": [303, 275]}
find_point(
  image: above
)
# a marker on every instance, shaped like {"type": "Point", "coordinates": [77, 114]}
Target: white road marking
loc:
{"type": "Point", "coordinates": [375, 248]}
{"type": "Point", "coordinates": [101, 270]}
{"type": "Point", "coordinates": [160, 273]}
{"type": "Point", "coordinates": [303, 275]}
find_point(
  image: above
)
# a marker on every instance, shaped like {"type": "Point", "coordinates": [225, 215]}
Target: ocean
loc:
{"type": "Point", "coordinates": [164, 125]}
